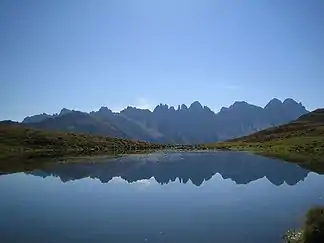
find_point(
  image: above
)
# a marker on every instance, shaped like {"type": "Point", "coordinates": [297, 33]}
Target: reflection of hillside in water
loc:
{"type": "Point", "coordinates": [242, 168]}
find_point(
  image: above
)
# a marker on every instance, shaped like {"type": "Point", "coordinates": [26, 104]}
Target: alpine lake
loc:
{"type": "Point", "coordinates": [172, 197]}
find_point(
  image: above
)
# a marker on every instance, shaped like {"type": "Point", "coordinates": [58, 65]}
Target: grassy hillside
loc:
{"type": "Point", "coordinates": [301, 141]}
{"type": "Point", "coordinates": [19, 143]}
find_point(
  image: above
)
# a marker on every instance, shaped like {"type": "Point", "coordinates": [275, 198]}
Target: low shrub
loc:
{"type": "Point", "coordinates": [312, 231]}
{"type": "Point", "coordinates": [314, 226]}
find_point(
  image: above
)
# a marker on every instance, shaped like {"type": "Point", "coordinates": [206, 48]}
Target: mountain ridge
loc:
{"type": "Point", "coordinates": [186, 124]}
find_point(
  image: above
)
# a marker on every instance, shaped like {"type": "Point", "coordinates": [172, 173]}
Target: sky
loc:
{"type": "Point", "coordinates": [84, 54]}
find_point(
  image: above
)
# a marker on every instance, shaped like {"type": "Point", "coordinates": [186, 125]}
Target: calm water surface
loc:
{"type": "Point", "coordinates": [162, 197]}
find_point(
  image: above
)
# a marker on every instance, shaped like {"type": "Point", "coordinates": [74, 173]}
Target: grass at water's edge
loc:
{"type": "Point", "coordinates": [23, 148]}
{"type": "Point", "coordinates": [30, 159]}
{"type": "Point", "coordinates": [36, 160]}
{"type": "Point", "coordinates": [26, 161]}
{"type": "Point", "coordinates": [308, 152]}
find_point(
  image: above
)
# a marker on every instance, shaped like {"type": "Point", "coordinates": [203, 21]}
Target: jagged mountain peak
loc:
{"type": "Point", "coordinates": [172, 108]}
{"type": "Point", "coordinates": [274, 103]}
{"type": "Point", "coordinates": [104, 109]}
{"type": "Point", "coordinates": [290, 101]}
{"type": "Point", "coordinates": [196, 106]}
{"type": "Point", "coordinates": [236, 103]}
{"type": "Point", "coordinates": [292, 104]}
{"type": "Point", "coordinates": [161, 107]}
{"type": "Point", "coordinates": [64, 111]}
{"type": "Point", "coordinates": [133, 110]}
{"type": "Point", "coordinates": [240, 104]}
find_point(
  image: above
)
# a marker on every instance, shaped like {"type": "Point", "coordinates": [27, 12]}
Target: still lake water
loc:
{"type": "Point", "coordinates": [161, 197]}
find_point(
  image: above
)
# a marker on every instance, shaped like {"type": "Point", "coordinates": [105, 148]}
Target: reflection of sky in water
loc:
{"type": "Point", "coordinates": [37, 209]}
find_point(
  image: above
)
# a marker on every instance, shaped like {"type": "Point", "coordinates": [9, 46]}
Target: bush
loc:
{"type": "Point", "coordinates": [314, 226]}
{"type": "Point", "coordinates": [312, 231]}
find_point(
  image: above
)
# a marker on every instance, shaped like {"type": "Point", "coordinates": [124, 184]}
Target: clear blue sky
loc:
{"type": "Point", "coordinates": [86, 54]}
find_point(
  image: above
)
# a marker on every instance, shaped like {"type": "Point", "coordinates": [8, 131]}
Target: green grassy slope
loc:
{"type": "Point", "coordinates": [300, 141]}
{"type": "Point", "coordinates": [19, 141]}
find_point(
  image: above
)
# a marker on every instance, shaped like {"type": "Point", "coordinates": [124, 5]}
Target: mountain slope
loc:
{"type": "Point", "coordinates": [187, 125]}
{"type": "Point", "coordinates": [79, 122]}
{"type": "Point", "coordinates": [128, 126]}
{"type": "Point", "coordinates": [301, 140]}
{"type": "Point", "coordinates": [309, 125]}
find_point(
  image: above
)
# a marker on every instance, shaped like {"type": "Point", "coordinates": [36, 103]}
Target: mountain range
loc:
{"type": "Point", "coordinates": [190, 125]}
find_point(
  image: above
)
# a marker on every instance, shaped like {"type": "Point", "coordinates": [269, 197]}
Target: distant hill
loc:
{"type": "Point", "coordinates": [301, 140]}
{"type": "Point", "coordinates": [18, 141]}
{"type": "Point", "coordinates": [189, 125]}
{"type": "Point", "coordinates": [308, 125]}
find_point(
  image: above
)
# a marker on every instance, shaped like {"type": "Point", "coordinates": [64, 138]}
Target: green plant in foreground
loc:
{"type": "Point", "coordinates": [294, 236]}
{"type": "Point", "coordinates": [314, 226]}
{"type": "Point", "coordinates": [312, 230]}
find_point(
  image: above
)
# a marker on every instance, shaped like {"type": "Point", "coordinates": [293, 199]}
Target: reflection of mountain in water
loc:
{"type": "Point", "coordinates": [242, 168]}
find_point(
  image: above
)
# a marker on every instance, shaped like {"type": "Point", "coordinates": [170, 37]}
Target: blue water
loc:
{"type": "Point", "coordinates": [162, 197]}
